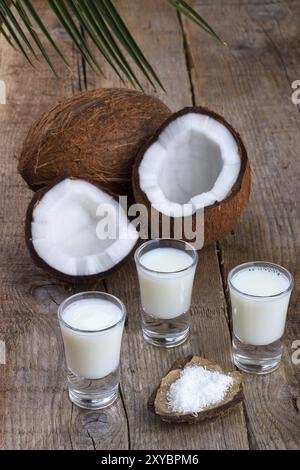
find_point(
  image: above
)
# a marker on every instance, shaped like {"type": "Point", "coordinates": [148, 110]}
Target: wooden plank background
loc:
{"type": "Point", "coordinates": [248, 82]}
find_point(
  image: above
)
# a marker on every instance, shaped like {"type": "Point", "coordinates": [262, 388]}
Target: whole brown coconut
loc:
{"type": "Point", "coordinates": [93, 135]}
{"type": "Point", "coordinates": [220, 217]}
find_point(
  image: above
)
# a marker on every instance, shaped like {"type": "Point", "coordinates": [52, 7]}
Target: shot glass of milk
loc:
{"type": "Point", "coordinates": [260, 294]}
{"type": "Point", "coordinates": [166, 270]}
{"type": "Point", "coordinates": [92, 325]}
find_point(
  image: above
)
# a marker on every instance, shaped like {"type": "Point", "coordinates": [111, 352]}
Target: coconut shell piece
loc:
{"type": "Point", "coordinates": [158, 403]}
{"type": "Point", "coordinates": [220, 218]}
{"type": "Point", "coordinates": [93, 135]}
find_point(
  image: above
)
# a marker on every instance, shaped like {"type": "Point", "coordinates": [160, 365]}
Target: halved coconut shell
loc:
{"type": "Point", "coordinates": [64, 236]}
{"type": "Point", "coordinates": [93, 135]}
{"type": "Point", "coordinates": [204, 165]}
{"type": "Point", "coordinates": [158, 402]}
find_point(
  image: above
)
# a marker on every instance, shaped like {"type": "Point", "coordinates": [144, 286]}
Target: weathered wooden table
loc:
{"type": "Point", "coordinates": [250, 84]}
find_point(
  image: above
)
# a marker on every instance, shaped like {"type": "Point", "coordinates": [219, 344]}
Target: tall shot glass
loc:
{"type": "Point", "coordinates": [260, 294]}
{"type": "Point", "coordinates": [92, 325]}
{"type": "Point", "coordinates": [166, 292]}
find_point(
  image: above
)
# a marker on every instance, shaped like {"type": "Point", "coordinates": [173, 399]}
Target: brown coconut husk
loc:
{"type": "Point", "coordinates": [93, 135]}
{"type": "Point", "coordinates": [158, 402]}
{"type": "Point", "coordinates": [221, 217]}
{"type": "Point", "coordinates": [88, 280]}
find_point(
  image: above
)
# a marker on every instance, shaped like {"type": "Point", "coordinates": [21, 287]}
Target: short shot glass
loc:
{"type": "Point", "coordinates": [92, 326]}
{"type": "Point", "coordinates": [166, 270]}
{"type": "Point", "coordinates": [260, 294]}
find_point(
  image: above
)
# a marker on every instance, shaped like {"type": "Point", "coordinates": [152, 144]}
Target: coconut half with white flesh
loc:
{"type": "Point", "coordinates": [195, 160]}
{"type": "Point", "coordinates": [77, 231]}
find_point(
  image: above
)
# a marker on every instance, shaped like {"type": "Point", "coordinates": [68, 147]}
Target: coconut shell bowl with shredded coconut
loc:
{"type": "Point", "coordinates": [195, 389]}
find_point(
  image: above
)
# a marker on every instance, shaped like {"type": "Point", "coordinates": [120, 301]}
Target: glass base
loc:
{"type": "Point", "coordinates": [256, 359]}
{"type": "Point", "coordinates": [89, 403]}
{"type": "Point", "coordinates": [165, 341]}
{"type": "Point", "coordinates": [93, 394]}
{"type": "Point", "coordinates": [165, 333]}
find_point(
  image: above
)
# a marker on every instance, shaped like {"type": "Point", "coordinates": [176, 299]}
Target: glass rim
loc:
{"type": "Point", "coordinates": [242, 266]}
{"type": "Point", "coordinates": [75, 297]}
{"type": "Point", "coordinates": [166, 273]}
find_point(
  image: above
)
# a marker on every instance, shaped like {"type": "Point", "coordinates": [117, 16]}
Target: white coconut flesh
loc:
{"type": "Point", "coordinates": [193, 164]}
{"type": "Point", "coordinates": [66, 233]}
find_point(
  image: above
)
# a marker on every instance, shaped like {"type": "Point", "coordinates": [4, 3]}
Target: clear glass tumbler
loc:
{"type": "Point", "coordinates": [260, 294]}
{"type": "Point", "coordinates": [92, 326]}
{"type": "Point", "coordinates": [166, 293]}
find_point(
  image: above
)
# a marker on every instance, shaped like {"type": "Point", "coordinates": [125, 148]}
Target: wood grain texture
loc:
{"type": "Point", "coordinates": [155, 27]}
{"type": "Point", "coordinates": [143, 366]}
{"type": "Point", "coordinates": [257, 70]}
{"type": "Point", "coordinates": [34, 408]}
{"type": "Point", "coordinates": [249, 83]}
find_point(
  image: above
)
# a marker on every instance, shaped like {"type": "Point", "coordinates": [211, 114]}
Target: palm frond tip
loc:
{"type": "Point", "coordinates": [87, 23]}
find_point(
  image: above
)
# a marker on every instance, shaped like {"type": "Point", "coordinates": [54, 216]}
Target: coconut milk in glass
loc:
{"type": "Point", "coordinates": [260, 294]}
{"type": "Point", "coordinates": [166, 270]}
{"type": "Point", "coordinates": [92, 326]}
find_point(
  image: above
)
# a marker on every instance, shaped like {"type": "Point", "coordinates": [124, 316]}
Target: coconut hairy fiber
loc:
{"type": "Point", "coordinates": [93, 135]}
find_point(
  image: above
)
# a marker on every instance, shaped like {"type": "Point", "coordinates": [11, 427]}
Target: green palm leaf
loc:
{"type": "Point", "coordinates": [86, 22]}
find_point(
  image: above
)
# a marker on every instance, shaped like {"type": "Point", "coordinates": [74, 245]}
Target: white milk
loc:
{"type": "Point", "coordinates": [259, 321]}
{"type": "Point", "coordinates": [92, 355]}
{"type": "Point", "coordinates": [166, 294]}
